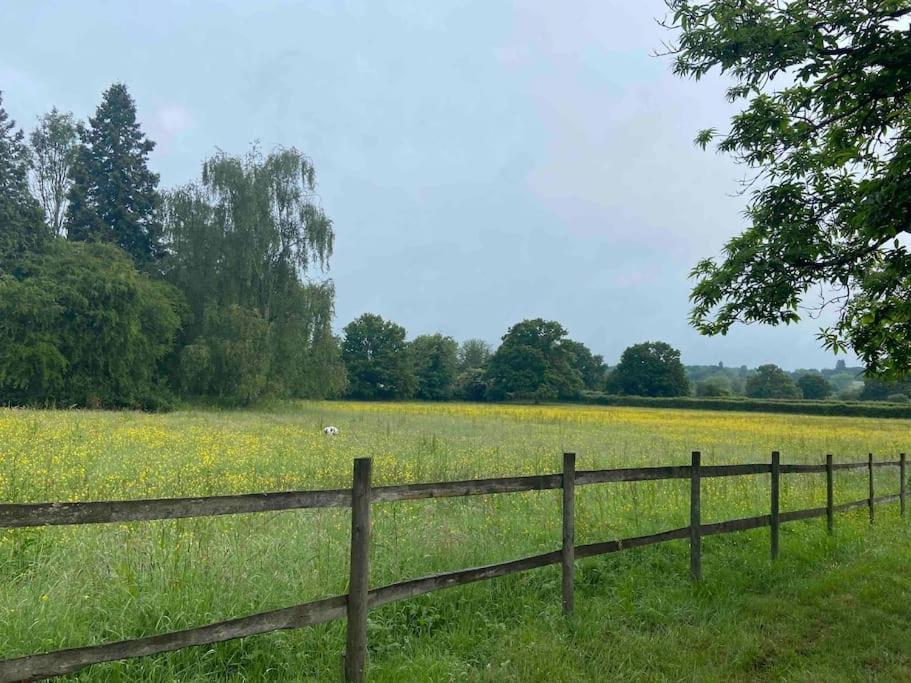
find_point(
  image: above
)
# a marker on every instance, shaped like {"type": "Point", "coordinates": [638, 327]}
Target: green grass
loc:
{"type": "Point", "coordinates": [831, 608]}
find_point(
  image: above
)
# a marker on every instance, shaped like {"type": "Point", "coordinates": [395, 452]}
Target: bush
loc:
{"type": "Point", "coordinates": [713, 387]}
{"type": "Point", "coordinates": [897, 398]}
{"type": "Point", "coordinates": [852, 393]}
{"type": "Point", "coordinates": [471, 385]}
{"type": "Point", "coordinates": [84, 327]}
{"type": "Point", "coordinates": [814, 386]}
{"type": "Point", "coordinates": [227, 360]}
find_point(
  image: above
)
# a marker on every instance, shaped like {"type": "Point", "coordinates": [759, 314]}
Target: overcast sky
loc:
{"type": "Point", "coordinates": [483, 162]}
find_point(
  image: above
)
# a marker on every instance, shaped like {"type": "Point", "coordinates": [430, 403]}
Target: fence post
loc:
{"type": "Point", "coordinates": [358, 584]}
{"type": "Point", "coordinates": [775, 488]}
{"type": "Point", "coordinates": [870, 502]}
{"type": "Point", "coordinates": [569, 530]}
{"type": "Point", "coordinates": [901, 484]}
{"type": "Point", "coordinates": [830, 495]}
{"type": "Point", "coordinates": [695, 519]}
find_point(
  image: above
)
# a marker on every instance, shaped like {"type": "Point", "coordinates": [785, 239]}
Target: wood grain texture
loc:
{"type": "Point", "coordinates": [733, 470]}
{"type": "Point", "coordinates": [902, 485]}
{"type": "Point", "coordinates": [872, 504]}
{"type": "Point", "coordinates": [732, 525]}
{"type": "Point", "coordinates": [359, 573]}
{"type": "Point", "coordinates": [40, 666]}
{"type": "Point", "coordinates": [427, 584]}
{"type": "Point", "coordinates": [61, 662]}
{"type": "Point", "coordinates": [801, 469]}
{"type": "Point", "coordinates": [17, 515]}
{"type": "Point", "coordinates": [46, 514]}
{"type": "Point", "coordinates": [568, 560]}
{"type": "Point", "coordinates": [470, 487]}
{"type": "Point", "coordinates": [849, 466]}
{"type": "Point", "coordinates": [830, 495]}
{"type": "Point", "coordinates": [695, 518]}
{"type": "Point", "coordinates": [605, 547]}
{"type": "Point", "coordinates": [586, 477]}
{"type": "Point", "coordinates": [774, 517]}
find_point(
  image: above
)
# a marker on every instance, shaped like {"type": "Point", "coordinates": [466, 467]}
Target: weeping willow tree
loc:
{"type": "Point", "coordinates": [249, 246]}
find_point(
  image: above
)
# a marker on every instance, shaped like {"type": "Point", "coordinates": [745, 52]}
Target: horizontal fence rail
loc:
{"type": "Point", "coordinates": [18, 515]}
{"type": "Point", "coordinates": [356, 604]}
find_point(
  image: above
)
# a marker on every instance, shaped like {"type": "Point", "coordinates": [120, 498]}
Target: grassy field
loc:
{"type": "Point", "coordinates": [832, 608]}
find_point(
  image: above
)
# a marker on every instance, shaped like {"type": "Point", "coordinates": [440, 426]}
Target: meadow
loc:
{"type": "Point", "coordinates": [831, 608]}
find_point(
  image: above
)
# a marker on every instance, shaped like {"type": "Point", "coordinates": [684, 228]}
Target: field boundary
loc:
{"type": "Point", "coordinates": [745, 404]}
{"type": "Point", "coordinates": [360, 599]}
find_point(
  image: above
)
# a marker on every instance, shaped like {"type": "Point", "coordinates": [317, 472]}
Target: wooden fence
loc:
{"type": "Point", "coordinates": [361, 598]}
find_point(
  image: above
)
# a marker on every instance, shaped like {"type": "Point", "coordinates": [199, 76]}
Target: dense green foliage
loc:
{"type": "Point", "coordinates": [826, 88]}
{"type": "Point", "coordinates": [471, 381]}
{"type": "Point", "coordinates": [249, 312]}
{"type": "Point", "coordinates": [377, 359]}
{"type": "Point", "coordinates": [534, 361]}
{"type": "Point", "coordinates": [474, 354]}
{"type": "Point", "coordinates": [85, 328]}
{"type": "Point", "coordinates": [471, 385]}
{"type": "Point", "coordinates": [814, 386]}
{"type": "Point", "coordinates": [649, 369]}
{"type": "Point", "coordinates": [877, 390]}
{"type": "Point", "coordinates": [590, 367]}
{"type": "Point", "coordinates": [241, 242]}
{"type": "Point", "coordinates": [435, 358]}
{"type": "Point", "coordinates": [714, 386]}
{"type": "Point", "coordinates": [22, 228]}
{"type": "Point", "coordinates": [770, 381]}
{"type": "Point", "coordinates": [113, 197]}
{"type": "Point", "coordinates": [205, 291]}
{"type": "Point", "coordinates": [54, 144]}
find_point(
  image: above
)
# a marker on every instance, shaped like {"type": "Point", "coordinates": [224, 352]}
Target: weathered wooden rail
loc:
{"type": "Point", "coordinates": [360, 599]}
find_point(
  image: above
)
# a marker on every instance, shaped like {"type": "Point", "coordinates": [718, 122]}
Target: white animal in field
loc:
{"type": "Point", "coordinates": [330, 430]}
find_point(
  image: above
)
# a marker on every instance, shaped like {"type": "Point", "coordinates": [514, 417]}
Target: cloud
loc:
{"type": "Point", "coordinates": [615, 159]}
{"type": "Point", "coordinates": [168, 122]}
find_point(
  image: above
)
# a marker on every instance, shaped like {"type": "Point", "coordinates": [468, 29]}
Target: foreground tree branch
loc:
{"type": "Point", "coordinates": [826, 93]}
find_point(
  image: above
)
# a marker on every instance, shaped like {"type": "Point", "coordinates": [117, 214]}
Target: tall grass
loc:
{"type": "Point", "coordinates": [72, 586]}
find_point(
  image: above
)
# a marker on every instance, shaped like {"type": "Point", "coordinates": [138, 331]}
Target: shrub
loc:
{"type": "Point", "coordinates": [85, 327]}
{"type": "Point", "coordinates": [715, 386]}
{"type": "Point", "coordinates": [814, 386]}
{"type": "Point", "coordinates": [227, 360]}
{"type": "Point", "coordinates": [471, 385]}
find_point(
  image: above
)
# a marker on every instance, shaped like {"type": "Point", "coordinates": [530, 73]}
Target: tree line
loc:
{"type": "Point", "coordinates": [537, 361]}
{"type": "Point", "coordinates": [114, 292]}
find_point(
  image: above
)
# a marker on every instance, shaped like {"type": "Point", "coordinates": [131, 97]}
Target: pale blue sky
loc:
{"type": "Point", "coordinates": [483, 162]}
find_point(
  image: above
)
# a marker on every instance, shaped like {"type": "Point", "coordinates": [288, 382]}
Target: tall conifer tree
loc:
{"type": "Point", "coordinates": [114, 195]}
{"type": "Point", "coordinates": [22, 226]}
